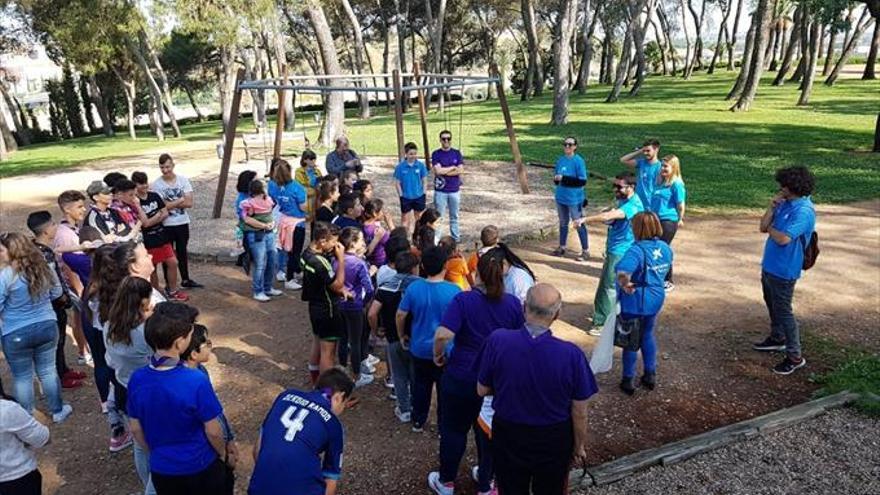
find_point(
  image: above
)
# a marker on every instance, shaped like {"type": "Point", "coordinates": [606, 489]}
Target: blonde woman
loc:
{"type": "Point", "coordinates": [28, 323]}
{"type": "Point", "coordinates": [668, 202]}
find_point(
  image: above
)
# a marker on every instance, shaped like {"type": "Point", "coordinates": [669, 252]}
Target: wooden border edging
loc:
{"type": "Point", "coordinates": [681, 450]}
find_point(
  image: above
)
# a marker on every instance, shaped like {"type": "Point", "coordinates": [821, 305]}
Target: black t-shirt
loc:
{"type": "Point", "coordinates": [324, 214]}
{"type": "Point", "coordinates": [153, 236]}
{"type": "Point", "coordinates": [318, 274]}
{"type": "Point", "coordinates": [390, 301]}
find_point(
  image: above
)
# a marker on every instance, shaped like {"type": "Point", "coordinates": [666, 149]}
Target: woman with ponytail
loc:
{"type": "Point", "coordinates": [468, 321]}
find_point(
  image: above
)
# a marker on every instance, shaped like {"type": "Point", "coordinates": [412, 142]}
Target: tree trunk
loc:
{"type": "Point", "coordinates": [876, 148]}
{"type": "Point", "coordinates": [725, 11]}
{"type": "Point", "coordinates": [583, 79]}
{"type": "Point", "coordinates": [334, 117]}
{"type": "Point", "coordinates": [400, 17]}
{"type": "Point", "coordinates": [155, 93]}
{"type": "Point", "coordinates": [750, 88]}
{"type": "Point", "coordinates": [804, 49]}
{"type": "Point", "coordinates": [829, 55]}
{"type": "Point", "coordinates": [386, 60]}
{"type": "Point", "coordinates": [687, 42]}
{"type": "Point", "coordinates": [21, 128]}
{"type": "Point", "coordinates": [812, 55]}
{"type": "Point", "coordinates": [794, 39]}
{"type": "Point", "coordinates": [639, 40]}
{"type": "Point", "coordinates": [778, 38]}
{"type": "Point", "coordinates": [359, 49]}
{"type": "Point", "coordinates": [697, 58]}
{"type": "Point", "coordinates": [562, 62]}
{"type": "Point", "coordinates": [435, 34]}
{"type": "Point", "coordinates": [625, 55]}
{"type": "Point", "coordinates": [97, 99]}
{"type": "Point", "coordinates": [163, 80]}
{"type": "Point", "coordinates": [667, 33]}
{"type": "Point", "coordinates": [128, 88]}
{"type": "Point", "coordinates": [746, 64]}
{"type": "Point", "coordinates": [848, 48]}
{"type": "Point", "coordinates": [661, 43]}
{"type": "Point", "coordinates": [731, 44]}
{"type": "Point", "coordinates": [257, 96]}
{"type": "Point", "coordinates": [9, 143]}
{"type": "Point", "coordinates": [226, 83]}
{"type": "Point", "coordinates": [192, 101]}
{"type": "Point", "coordinates": [869, 73]}
{"type": "Point", "coordinates": [534, 72]}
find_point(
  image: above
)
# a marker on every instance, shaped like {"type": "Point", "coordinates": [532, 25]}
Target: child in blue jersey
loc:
{"type": "Point", "coordinates": [411, 181]}
{"type": "Point", "coordinates": [299, 449]}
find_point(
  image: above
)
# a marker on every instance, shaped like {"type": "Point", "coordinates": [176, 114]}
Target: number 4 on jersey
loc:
{"type": "Point", "coordinates": [293, 424]}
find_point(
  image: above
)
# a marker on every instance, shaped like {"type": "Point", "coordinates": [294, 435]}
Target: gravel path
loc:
{"type": "Point", "coordinates": [836, 453]}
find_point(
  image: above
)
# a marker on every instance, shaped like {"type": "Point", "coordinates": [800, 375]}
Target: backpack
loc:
{"type": "Point", "coordinates": [811, 251]}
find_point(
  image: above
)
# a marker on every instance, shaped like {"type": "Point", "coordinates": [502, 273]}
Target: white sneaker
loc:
{"type": "Point", "coordinates": [262, 297]}
{"type": "Point", "coordinates": [292, 284]}
{"type": "Point", "coordinates": [280, 276]}
{"type": "Point", "coordinates": [367, 368]}
{"type": "Point", "coordinates": [404, 417]}
{"type": "Point", "coordinates": [475, 474]}
{"type": "Point", "coordinates": [273, 292]}
{"type": "Point", "coordinates": [372, 360]}
{"type": "Point", "coordinates": [85, 360]}
{"type": "Point", "coordinates": [364, 380]}
{"type": "Point", "coordinates": [437, 486]}
{"type": "Point", "coordinates": [389, 383]}
{"type": "Point", "coordinates": [61, 415]}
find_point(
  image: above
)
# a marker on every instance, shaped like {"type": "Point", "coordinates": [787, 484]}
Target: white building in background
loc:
{"type": "Point", "coordinates": [26, 74]}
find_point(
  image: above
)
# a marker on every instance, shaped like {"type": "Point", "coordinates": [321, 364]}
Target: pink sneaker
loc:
{"type": "Point", "coordinates": [120, 442]}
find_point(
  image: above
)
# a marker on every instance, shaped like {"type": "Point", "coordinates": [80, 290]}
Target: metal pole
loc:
{"type": "Point", "coordinates": [229, 142]}
{"type": "Point", "coordinates": [423, 116]}
{"type": "Point", "coordinates": [398, 113]}
{"type": "Point", "coordinates": [279, 125]}
{"type": "Point", "coordinates": [511, 134]}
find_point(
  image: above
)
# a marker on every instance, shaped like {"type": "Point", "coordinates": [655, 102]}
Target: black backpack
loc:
{"type": "Point", "coordinates": [811, 251]}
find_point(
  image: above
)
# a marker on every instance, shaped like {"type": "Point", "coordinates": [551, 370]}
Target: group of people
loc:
{"type": "Point", "coordinates": [472, 331]}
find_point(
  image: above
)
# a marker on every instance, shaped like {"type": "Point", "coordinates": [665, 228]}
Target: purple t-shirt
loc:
{"type": "Point", "coordinates": [447, 183]}
{"type": "Point", "coordinates": [472, 317]}
{"type": "Point", "coordinates": [357, 280]}
{"type": "Point", "coordinates": [378, 256]}
{"type": "Point", "coordinates": [534, 379]}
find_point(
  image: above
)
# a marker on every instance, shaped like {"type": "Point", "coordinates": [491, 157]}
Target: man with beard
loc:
{"type": "Point", "coordinates": [620, 237]}
{"type": "Point", "coordinates": [644, 162]}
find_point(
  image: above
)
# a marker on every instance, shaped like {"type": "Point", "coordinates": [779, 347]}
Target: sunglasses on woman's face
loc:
{"type": "Point", "coordinates": [568, 144]}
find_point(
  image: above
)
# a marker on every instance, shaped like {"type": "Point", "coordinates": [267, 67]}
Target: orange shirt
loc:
{"type": "Point", "coordinates": [457, 271]}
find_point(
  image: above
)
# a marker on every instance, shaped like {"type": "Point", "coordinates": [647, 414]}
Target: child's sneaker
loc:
{"type": "Point", "coordinates": [418, 428]}
{"type": "Point", "coordinates": [404, 417]}
{"type": "Point", "coordinates": [367, 368]}
{"type": "Point", "coordinates": [389, 382]}
{"type": "Point", "coordinates": [364, 380]}
{"type": "Point", "coordinates": [281, 276]}
{"type": "Point", "coordinates": [292, 284]}
{"type": "Point", "coordinates": [262, 297]}
{"type": "Point", "coordinates": [85, 360]}
{"type": "Point", "coordinates": [439, 487]}
{"type": "Point", "coordinates": [61, 415]}
{"type": "Point", "coordinates": [273, 292]}
{"type": "Point", "coordinates": [372, 360]}
{"type": "Point", "coordinates": [475, 474]}
{"type": "Point", "coordinates": [120, 442]}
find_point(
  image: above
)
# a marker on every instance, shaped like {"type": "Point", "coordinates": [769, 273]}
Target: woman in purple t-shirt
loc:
{"type": "Point", "coordinates": [468, 321]}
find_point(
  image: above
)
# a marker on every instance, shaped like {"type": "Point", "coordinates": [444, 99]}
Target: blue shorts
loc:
{"type": "Point", "coordinates": [407, 205]}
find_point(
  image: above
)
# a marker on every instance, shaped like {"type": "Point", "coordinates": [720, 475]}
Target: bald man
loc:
{"type": "Point", "coordinates": [541, 385]}
{"type": "Point", "coordinates": [342, 158]}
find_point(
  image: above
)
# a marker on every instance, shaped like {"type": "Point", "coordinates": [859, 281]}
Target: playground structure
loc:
{"type": "Point", "coordinates": [419, 83]}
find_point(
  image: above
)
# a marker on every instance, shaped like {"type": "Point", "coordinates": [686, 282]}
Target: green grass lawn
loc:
{"type": "Point", "coordinates": [727, 159]}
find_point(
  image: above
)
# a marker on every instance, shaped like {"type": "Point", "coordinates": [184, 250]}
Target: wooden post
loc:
{"type": "Point", "coordinates": [398, 112]}
{"type": "Point", "coordinates": [511, 134]}
{"type": "Point", "coordinates": [423, 115]}
{"type": "Point", "coordinates": [228, 143]}
{"type": "Point", "coordinates": [279, 125]}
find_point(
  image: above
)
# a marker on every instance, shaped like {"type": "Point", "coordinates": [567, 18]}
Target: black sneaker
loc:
{"type": "Point", "coordinates": [560, 251]}
{"type": "Point", "coordinates": [627, 386]}
{"type": "Point", "coordinates": [191, 284]}
{"type": "Point", "coordinates": [649, 380]}
{"type": "Point", "coordinates": [787, 366]}
{"type": "Point", "coordinates": [769, 345]}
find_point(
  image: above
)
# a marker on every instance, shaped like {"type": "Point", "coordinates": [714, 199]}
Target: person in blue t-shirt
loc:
{"type": "Point", "coordinates": [643, 161]}
{"type": "Point", "coordinates": [448, 165]}
{"type": "Point", "coordinates": [620, 238]}
{"type": "Point", "coordinates": [789, 223]}
{"type": "Point", "coordinates": [570, 178]}
{"type": "Point", "coordinates": [668, 202]}
{"type": "Point", "coordinates": [291, 198]}
{"type": "Point", "coordinates": [174, 412]}
{"type": "Point", "coordinates": [300, 446]}
{"type": "Point", "coordinates": [640, 277]}
{"type": "Point", "coordinates": [411, 182]}
{"type": "Point", "coordinates": [426, 300]}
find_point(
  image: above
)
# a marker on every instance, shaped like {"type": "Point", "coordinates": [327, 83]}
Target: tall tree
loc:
{"type": "Point", "coordinates": [697, 60]}
{"type": "Point", "coordinates": [688, 68]}
{"type": "Point", "coordinates": [334, 112]}
{"type": "Point", "coordinates": [359, 51]}
{"type": "Point", "coordinates": [858, 31]}
{"type": "Point", "coordinates": [565, 28]}
{"type": "Point", "coordinates": [793, 42]}
{"type": "Point", "coordinates": [590, 20]}
{"type": "Point", "coordinates": [760, 22]}
{"type": "Point", "coordinates": [731, 42]}
{"type": "Point", "coordinates": [869, 73]}
{"type": "Point", "coordinates": [639, 42]}
{"type": "Point", "coordinates": [534, 73]}
{"type": "Point", "coordinates": [725, 13]}
{"type": "Point", "coordinates": [812, 54]}
{"type": "Point", "coordinates": [634, 11]}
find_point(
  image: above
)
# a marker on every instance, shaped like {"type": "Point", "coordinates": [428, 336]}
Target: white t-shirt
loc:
{"type": "Point", "coordinates": [20, 433]}
{"type": "Point", "coordinates": [173, 192]}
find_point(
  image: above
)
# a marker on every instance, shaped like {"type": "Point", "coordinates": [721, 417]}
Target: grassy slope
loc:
{"type": "Point", "coordinates": [727, 158]}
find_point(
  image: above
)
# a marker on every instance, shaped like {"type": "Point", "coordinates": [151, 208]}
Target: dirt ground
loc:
{"type": "Point", "coordinates": [708, 376]}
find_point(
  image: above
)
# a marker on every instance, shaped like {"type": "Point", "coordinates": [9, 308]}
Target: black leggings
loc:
{"type": "Point", "coordinates": [299, 239]}
{"type": "Point", "coordinates": [29, 484]}
{"type": "Point", "coordinates": [351, 345]}
{"type": "Point", "coordinates": [669, 230]}
{"type": "Point", "coordinates": [60, 360]}
{"type": "Point", "coordinates": [210, 481]}
{"type": "Point", "coordinates": [178, 235]}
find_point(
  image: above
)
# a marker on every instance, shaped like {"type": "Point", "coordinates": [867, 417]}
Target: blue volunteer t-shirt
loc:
{"type": "Point", "coordinates": [426, 302]}
{"type": "Point", "coordinates": [646, 179]}
{"type": "Point", "coordinates": [666, 199]}
{"type": "Point", "coordinates": [289, 197]}
{"type": "Point", "coordinates": [620, 234]}
{"type": "Point", "coordinates": [173, 407]}
{"type": "Point", "coordinates": [447, 158]}
{"type": "Point", "coordinates": [570, 167]}
{"type": "Point", "coordinates": [797, 220]}
{"type": "Point", "coordinates": [534, 379]}
{"type": "Point", "coordinates": [649, 294]}
{"type": "Point", "coordinates": [301, 444]}
{"type": "Point", "coordinates": [472, 317]}
{"type": "Point", "coordinates": [410, 178]}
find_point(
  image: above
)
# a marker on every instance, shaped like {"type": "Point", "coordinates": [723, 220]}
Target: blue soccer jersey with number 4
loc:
{"type": "Point", "coordinates": [301, 444]}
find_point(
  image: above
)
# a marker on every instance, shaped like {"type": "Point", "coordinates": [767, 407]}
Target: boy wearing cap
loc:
{"type": "Point", "coordinates": [104, 218]}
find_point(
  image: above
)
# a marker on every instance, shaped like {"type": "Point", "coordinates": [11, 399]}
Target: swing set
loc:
{"type": "Point", "coordinates": [358, 84]}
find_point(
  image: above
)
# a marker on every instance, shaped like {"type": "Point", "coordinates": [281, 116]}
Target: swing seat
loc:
{"type": "Point", "coordinates": [259, 146]}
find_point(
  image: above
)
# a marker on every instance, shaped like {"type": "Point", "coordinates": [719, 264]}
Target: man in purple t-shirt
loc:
{"type": "Point", "coordinates": [448, 166]}
{"type": "Point", "coordinates": [541, 385]}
